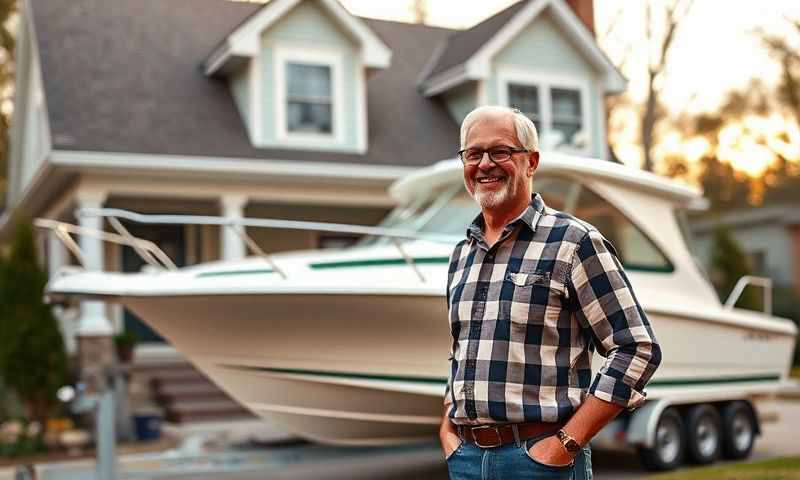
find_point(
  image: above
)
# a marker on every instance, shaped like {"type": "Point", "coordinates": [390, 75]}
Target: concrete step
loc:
{"type": "Point", "coordinates": [169, 394]}
{"type": "Point", "coordinates": [178, 377]}
{"type": "Point", "coordinates": [195, 410]}
{"type": "Point", "coordinates": [185, 394]}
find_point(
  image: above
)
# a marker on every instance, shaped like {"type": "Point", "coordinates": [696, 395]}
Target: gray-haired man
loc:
{"type": "Point", "coordinates": [531, 292]}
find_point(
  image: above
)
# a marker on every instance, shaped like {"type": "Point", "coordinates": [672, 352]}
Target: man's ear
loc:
{"type": "Point", "coordinates": [533, 163]}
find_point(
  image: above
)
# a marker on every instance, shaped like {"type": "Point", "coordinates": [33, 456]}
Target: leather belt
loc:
{"type": "Point", "coordinates": [490, 436]}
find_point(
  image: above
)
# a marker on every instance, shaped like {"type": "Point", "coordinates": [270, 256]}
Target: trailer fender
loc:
{"type": "Point", "coordinates": [642, 425]}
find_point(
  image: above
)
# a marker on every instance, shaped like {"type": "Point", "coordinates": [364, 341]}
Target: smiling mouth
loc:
{"type": "Point", "coordinates": [485, 180]}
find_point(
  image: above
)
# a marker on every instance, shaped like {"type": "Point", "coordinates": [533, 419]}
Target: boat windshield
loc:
{"type": "Point", "coordinates": [449, 211]}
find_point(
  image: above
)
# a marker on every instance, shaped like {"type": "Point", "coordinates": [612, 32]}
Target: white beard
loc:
{"type": "Point", "coordinates": [492, 199]}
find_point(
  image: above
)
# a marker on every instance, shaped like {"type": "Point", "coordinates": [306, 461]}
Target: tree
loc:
{"type": "Point", "coordinates": [659, 46]}
{"type": "Point", "coordinates": [8, 9]}
{"type": "Point", "coordinates": [728, 265]}
{"type": "Point", "coordinates": [33, 361]}
{"type": "Point", "coordinates": [788, 56]}
{"type": "Point", "coordinates": [419, 8]}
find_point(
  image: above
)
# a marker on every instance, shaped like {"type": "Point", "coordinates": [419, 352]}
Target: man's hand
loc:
{"type": "Point", "coordinates": [550, 451]}
{"type": "Point", "coordinates": [448, 436]}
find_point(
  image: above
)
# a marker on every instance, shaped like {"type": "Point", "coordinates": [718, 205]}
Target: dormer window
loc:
{"type": "Point", "coordinates": [567, 117]}
{"type": "Point", "coordinates": [309, 96]}
{"type": "Point", "coordinates": [557, 104]}
{"type": "Point", "coordinates": [526, 99]}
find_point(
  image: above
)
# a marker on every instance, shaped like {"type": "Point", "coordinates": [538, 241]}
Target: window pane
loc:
{"type": "Point", "coordinates": [309, 82]}
{"type": "Point", "coordinates": [309, 117]}
{"type": "Point", "coordinates": [635, 250]}
{"type": "Point", "coordinates": [526, 99]}
{"type": "Point", "coordinates": [567, 117]}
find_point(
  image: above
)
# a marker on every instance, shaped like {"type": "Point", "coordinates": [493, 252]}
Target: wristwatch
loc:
{"type": "Point", "coordinates": [569, 443]}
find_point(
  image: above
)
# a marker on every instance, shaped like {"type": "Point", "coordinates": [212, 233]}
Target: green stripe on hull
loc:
{"type": "Point", "coordinates": [374, 262]}
{"type": "Point", "coordinates": [360, 376]}
{"type": "Point", "coordinates": [377, 262]}
{"type": "Point", "coordinates": [708, 381]}
{"type": "Point", "coordinates": [440, 380]}
{"type": "Point", "coordinates": [221, 273]}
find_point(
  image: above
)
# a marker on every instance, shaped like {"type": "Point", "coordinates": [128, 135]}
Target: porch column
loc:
{"type": "Point", "coordinates": [93, 319]}
{"type": "Point", "coordinates": [232, 206]}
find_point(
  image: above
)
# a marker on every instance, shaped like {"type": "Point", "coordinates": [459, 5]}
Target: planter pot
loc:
{"type": "Point", "coordinates": [125, 353]}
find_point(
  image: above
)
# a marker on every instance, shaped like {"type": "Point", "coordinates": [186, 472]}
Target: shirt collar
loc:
{"type": "Point", "coordinates": [529, 217]}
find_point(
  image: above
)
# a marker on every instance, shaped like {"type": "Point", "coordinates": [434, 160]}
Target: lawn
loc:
{"type": "Point", "coordinates": [775, 469]}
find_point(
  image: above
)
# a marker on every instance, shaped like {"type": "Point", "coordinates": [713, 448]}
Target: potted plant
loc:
{"type": "Point", "coordinates": [125, 343]}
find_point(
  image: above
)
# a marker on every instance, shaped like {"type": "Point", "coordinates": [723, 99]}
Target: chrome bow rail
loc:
{"type": "Point", "coordinates": [151, 254]}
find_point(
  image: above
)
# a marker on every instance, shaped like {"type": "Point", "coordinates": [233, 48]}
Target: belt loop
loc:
{"type": "Point", "coordinates": [516, 434]}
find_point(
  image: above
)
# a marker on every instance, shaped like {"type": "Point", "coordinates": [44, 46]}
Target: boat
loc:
{"type": "Point", "coordinates": [350, 346]}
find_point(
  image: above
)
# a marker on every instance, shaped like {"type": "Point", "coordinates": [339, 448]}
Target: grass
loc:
{"type": "Point", "coordinates": [787, 468]}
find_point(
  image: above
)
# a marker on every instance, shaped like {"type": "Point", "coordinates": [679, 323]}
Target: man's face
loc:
{"type": "Point", "coordinates": [498, 187]}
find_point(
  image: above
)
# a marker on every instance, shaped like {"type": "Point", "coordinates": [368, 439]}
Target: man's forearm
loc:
{"type": "Point", "coordinates": [590, 418]}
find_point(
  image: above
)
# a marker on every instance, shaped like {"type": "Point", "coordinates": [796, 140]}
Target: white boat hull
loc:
{"type": "Point", "coordinates": [330, 375]}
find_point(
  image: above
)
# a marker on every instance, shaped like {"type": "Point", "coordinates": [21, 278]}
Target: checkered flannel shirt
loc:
{"type": "Point", "coordinates": [526, 315]}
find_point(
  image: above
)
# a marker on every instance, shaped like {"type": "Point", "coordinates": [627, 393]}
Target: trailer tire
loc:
{"type": "Point", "coordinates": [669, 446]}
{"type": "Point", "coordinates": [738, 430]}
{"type": "Point", "coordinates": [703, 434]}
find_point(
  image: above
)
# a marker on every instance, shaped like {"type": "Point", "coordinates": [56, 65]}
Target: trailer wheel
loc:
{"type": "Point", "coordinates": [739, 430]}
{"type": "Point", "coordinates": [668, 449]}
{"type": "Point", "coordinates": [703, 433]}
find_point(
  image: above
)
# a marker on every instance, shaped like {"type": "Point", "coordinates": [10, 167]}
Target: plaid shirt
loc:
{"type": "Point", "coordinates": [526, 315]}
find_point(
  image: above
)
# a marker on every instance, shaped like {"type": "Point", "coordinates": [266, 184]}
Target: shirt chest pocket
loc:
{"type": "Point", "coordinates": [535, 296]}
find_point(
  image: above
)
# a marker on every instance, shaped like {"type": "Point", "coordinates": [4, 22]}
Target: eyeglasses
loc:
{"type": "Point", "coordinates": [499, 154]}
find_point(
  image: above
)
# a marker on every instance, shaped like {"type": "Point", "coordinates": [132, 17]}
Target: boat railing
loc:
{"type": "Point", "coordinates": [742, 283]}
{"type": "Point", "coordinates": [152, 255]}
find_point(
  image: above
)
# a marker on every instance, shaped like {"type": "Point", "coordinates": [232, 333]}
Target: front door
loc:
{"type": "Point", "coordinates": [171, 239]}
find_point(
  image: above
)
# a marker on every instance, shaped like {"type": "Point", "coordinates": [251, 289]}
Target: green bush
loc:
{"type": "Point", "coordinates": [33, 362]}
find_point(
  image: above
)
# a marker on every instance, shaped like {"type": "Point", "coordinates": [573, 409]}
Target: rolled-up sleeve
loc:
{"type": "Point", "coordinates": [605, 305]}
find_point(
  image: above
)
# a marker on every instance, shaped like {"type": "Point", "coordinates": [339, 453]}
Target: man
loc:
{"type": "Point", "coordinates": [531, 293]}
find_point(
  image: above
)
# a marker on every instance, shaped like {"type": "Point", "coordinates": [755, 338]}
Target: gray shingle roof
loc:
{"type": "Point", "coordinates": [125, 76]}
{"type": "Point", "coordinates": [460, 46]}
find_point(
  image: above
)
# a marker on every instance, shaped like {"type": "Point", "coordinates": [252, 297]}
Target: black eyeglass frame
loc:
{"type": "Point", "coordinates": [510, 150]}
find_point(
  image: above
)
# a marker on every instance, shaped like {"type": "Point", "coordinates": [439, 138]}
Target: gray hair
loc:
{"type": "Point", "coordinates": [526, 130]}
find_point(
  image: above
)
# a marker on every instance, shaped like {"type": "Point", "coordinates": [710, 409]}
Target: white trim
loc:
{"type": "Point", "coordinates": [479, 66]}
{"type": "Point", "coordinates": [600, 118]}
{"type": "Point", "coordinates": [245, 40]}
{"type": "Point", "coordinates": [256, 107]}
{"type": "Point", "coordinates": [360, 111]}
{"type": "Point", "coordinates": [545, 83]}
{"type": "Point", "coordinates": [225, 165]}
{"type": "Point", "coordinates": [332, 58]}
{"type": "Point", "coordinates": [35, 98]}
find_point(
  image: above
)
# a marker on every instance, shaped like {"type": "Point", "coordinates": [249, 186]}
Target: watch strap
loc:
{"type": "Point", "coordinates": [569, 443]}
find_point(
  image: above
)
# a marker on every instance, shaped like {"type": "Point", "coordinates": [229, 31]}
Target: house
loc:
{"type": "Point", "coordinates": [769, 236]}
{"type": "Point", "coordinates": [291, 109]}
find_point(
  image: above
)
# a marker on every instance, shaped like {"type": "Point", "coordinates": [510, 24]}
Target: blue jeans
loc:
{"type": "Point", "coordinates": [512, 461]}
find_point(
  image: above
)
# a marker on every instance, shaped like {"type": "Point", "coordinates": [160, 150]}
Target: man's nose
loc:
{"type": "Point", "coordinates": [486, 163]}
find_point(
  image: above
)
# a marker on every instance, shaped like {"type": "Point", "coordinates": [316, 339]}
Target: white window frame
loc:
{"type": "Point", "coordinates": [334, 59]}
{"type": "Point", "coordinates": [545, 83]}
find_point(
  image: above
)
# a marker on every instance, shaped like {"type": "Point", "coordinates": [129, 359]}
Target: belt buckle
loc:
{"type": "Point", "coordinates": [487, 427]}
